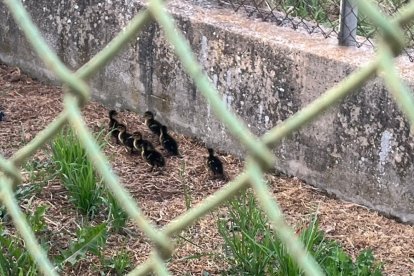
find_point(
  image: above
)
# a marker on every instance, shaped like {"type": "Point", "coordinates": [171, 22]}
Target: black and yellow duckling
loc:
{"type": "Point", "coordinates": [169, 144]}
{"type": "Point", "coordinates": [152, 157]}
{"type": "Point", "coordinates": [125, 138]}
{"type": "Point", "coordinates": [151, 123]}
{"type": "Point", "coordinates": [113, 125]}
{"type": "Point", "coordinates": [139, 142]}
{"type": "Point", "coordinates": [214, 164]}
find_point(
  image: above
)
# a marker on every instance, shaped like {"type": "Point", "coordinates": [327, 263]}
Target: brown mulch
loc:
{"type": "Point", "coordinates": [30, 105]}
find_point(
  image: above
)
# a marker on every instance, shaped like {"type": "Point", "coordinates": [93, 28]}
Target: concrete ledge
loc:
{"type": "Point", "coordinates": [360, 151]}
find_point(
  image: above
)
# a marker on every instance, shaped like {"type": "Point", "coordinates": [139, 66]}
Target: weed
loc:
{"type": "Point", "coordinates": [118, 264]}
{"type": "Point", "coordinates": [78, 176]}
{"type": "Point", "coordinates": [319, 11]}
{"type": "Point", "coordinates": [36, 175]}
{"type": "Point", "coordinates": [253, 248]}
{"type": "Point", "coordinates": [76, 172]}
{"type": "Point", "coordinates": [117, 217]}
{"type": "Point", "coordinates": [22, 192]}
{"type": "Point", "coordinates": [14, 257]}
{"type": "Point", "coordinates": [88, 239]}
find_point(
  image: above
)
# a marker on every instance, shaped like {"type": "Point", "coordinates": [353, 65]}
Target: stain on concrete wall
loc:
{"type": "Point", "coordinates": [360, 150]}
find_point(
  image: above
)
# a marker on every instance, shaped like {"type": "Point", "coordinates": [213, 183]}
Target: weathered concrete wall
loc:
{"type": "Point", "coordinates": [360, 151]}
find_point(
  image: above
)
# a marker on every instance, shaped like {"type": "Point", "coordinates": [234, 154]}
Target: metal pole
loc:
{"type": "Point", "coordinates": [348, 23]}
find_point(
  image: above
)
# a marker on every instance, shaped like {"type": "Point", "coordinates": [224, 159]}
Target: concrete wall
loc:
{"type": "Point", "coordinates": [360, 150]}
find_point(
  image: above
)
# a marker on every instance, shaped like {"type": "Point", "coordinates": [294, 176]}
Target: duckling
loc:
{"type": "Point", "coordinates": [113, 125]}
{"type": "Point", "coordinates": [125, 138]}
{"type": "Point", "coordinates": [115, 134]}
{"type": "Point", "coordinates": [168, 142]}
{"type": "Point", "coordinates": [139, 142]}
{"type": "Point", "coordinates": [151, 123]}
{"type": "Point", "coordinates": [214, 164]}
{"type": "Point", "coordinates": [152, 157]}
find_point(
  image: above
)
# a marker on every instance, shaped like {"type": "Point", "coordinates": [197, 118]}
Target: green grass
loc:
{"type": "Point", "coordinates": [118, 264]}
{"type": "Point", "coordinates": [36, 175]}
{"type": "Point", "coordinates": [16, 260]}
{"type": "Point", "coordinates": [253, 248]}
{"type": "Point", "coordinates": [117, 217]}
{"type": "Point", "coordinates": [77, 173]}
{"type": "Point", "coordinates": [89, 196]}
{"type": "Point", "coordinates": [316, 10]}
{"type": "Point", "coordinates": [14, 257]}
{"type": "Point", "coordinates": [89, 239]}
{"type": "Point", "coordinates": [85, 188]}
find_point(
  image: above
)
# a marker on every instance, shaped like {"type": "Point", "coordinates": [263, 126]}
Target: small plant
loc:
{"type": "Point", "coordinates": [78, 176]}
{"type": "Point", "coordinates": [88, 239]}
{"type": "Point", "coordinates": [22, 192]}
{"type": "Point", "coordinates": [36, 175]}
{"type": "Point", "coordinates": [118, 264]}
{"type": "Point", "coordinates": [14, 257]}
{"type": "Point", "coordinates": [117, 217]}
{"type": "Point", "coordinates": [77, 172]}
{"type": "Point", "coordinates": [38, 172]}
{"type": "Point", "coordinates": [253, 248]}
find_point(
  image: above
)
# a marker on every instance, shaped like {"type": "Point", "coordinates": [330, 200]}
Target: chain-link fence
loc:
{"type": "Point", "coordinates": [260, 157]}
{"type": "Point", "coordinates": [339, 18]}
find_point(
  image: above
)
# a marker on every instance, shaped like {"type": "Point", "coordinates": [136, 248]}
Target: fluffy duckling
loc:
{"type": "Point", "coordinates": [168, 142]}
{"type": "Point", "coordinates": [113, 125]}
{"type": "Point", "coordinates": [113, 122]}
{"type": "Point", "coordinates": [152, 157]}
{"type": "Point", "coordinates": [151, 123]}
{"type": "Point", "coordinates": [139, 143]}
{"type": "Point", "coordinates": [214, 164]}
{"type": "Point", "coordinates": [125, 138]}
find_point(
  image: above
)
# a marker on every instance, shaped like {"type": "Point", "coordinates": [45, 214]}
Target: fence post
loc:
{"type": "Point", "coordinates": [348, 23]}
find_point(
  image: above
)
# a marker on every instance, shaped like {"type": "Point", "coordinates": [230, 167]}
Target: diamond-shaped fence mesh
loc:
{"type": "Point", "coordinates": [260, 157]}
{"type": "Point", "coordinates": [325, 17]}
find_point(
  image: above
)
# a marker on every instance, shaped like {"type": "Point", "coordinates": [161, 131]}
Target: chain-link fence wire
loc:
{"type": "Point", "coordinates": [260, 157]}
{"type": "Point", "coordinates": [325, 17]}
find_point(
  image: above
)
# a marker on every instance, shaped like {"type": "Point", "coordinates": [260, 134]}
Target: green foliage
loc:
{"type": "Point", "coordinates": [78, 176]}
{"type": "Point", "coordinates": [326, 12]}
{"type": "Point", "coordinates": [335, 261]}
{"type": "Point", "coordinates": [118, 264]}
{"type": "Point", "coordinates": [253, 248]}
{"type": "Point", "coordinates": [22, 192]}
{"type": "Point", "coordinates": [38, 174]}
{"type": "Point", "coordinates": [76, 172]}
{"type": "Point", "coordinates": [37, 221]}
{"type": "Point", "coordinates": [117, 217]}
{"type": "Point", "coordinates": [14, 258]}
{"type": "Point", "coordinates": [317, 10]}
{"type": "Point", "coordinates": [88, 239]}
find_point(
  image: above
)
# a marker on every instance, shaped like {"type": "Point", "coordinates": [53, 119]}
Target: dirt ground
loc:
{"type": "Point", "coordinates": [30, 105]}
